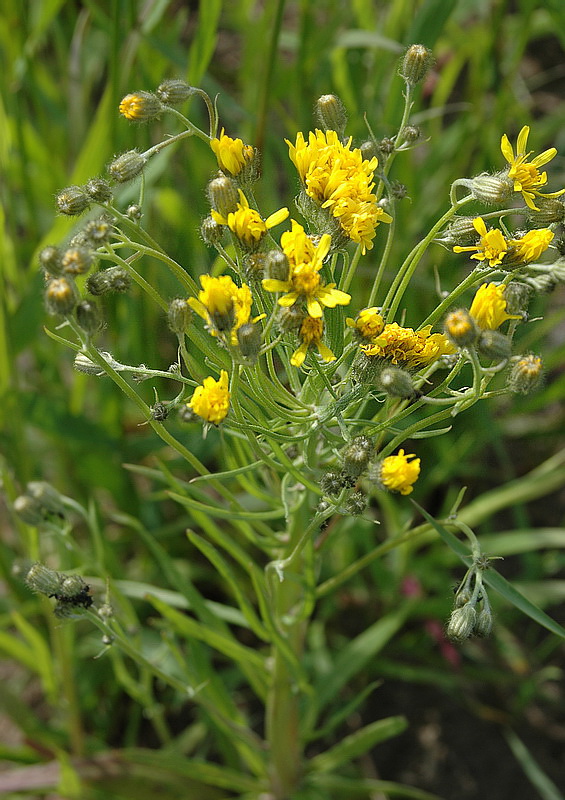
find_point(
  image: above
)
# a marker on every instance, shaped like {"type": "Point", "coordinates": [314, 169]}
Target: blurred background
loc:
{"type": "Point", "coordinates": [499, 65]}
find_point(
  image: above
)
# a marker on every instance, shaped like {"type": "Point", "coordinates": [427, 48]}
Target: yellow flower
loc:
{"type": "Point", "coordinates": [341, 180]}
{"type": "Point", "coordinates": [304, 282]}
{"type": "Point", "coordinates": [247, 224]}
{"type": "Point", "coordinates": [531, 245]}
{"type": "Point", "coordinates": [311, 331]}
{"type": "Point", "coordinates": [211, 401]}
{"type": "Point", "coordinates": [223, 305]}
{"type": "Point", "coordinates": [232, 154]}
{"type": "Point", "coordinates": [407, 347]}
{"type": "Point", "coordinates": [140, 106]}
{"type": "Point", "coordinates": [488, 308]}
{"type": "Point", "coordinates": [525, 174]}
{"type": "Point", "coordinates": [399, 474]}
{"type": "Point", "coordinates": [368, 323]}
{"type": "Point", "coordinates": [492, 246]}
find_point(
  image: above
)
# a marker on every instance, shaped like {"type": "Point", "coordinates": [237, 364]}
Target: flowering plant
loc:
{"type": "Point", "coordinates": [319, 415]}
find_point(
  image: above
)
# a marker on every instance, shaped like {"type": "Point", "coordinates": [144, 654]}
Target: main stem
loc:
{"type": "Point", "coordinates": [283, 730]}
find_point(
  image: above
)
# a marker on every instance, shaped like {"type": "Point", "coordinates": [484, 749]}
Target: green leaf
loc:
{"type": "Point", "coordinates": [366, 787]}
{"type": "Point", "coordinates": [545, 787]}
{"type": "Point", "coordinates": [358, 743]}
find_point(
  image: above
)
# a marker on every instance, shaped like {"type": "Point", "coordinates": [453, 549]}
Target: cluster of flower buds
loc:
{"type": "Point", "coordinates": [70, 591]}
{"type": "Point", "coordinates": [471, 615]}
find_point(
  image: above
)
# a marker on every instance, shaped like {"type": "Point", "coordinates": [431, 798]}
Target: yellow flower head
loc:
{"type": "Point", "coordinates": [368, 323]}
{"type": "Point", "coordinates": [311, 331]}
{"type": "Point", "coordinates": [525, 174]}
{"type": "Point", "coordinates": [211, 401]}
{"type": "Point", "coordinates": [341, 180]}
{"type": "Point", "coordinates": [407, 347]}
{"type": "Point", "coordinates": [492, 246]}
{"type": "Point", "coordinates": [304, 282]}
{"type": "Point", "coordinates": [531, 245]}
{"type": "Point", "coordinates": [398, 473]}
{"type": "Point", "coordinates": [232, 154]}
{"type": "Point", "coordinates": [247, 224]}
{"type": "Point", "coordinates": [140, 106]}
{"type": "Point", "coordinates": [488, 308]}
{"type": "Point", "coordinates": [223, 305]}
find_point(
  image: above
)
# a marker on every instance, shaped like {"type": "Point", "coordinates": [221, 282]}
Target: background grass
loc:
{"type": "Point", "coordinates": [64, 68]}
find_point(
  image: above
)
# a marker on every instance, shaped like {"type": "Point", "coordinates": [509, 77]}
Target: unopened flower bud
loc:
{"type": "Point", "coordinates": [72, 201]}
{"type": "Point", "coordinates": [211, 231]}
{"type": "Point", "coordinates": [50, 260]}
{"type": "Point", "coordinates": [41, 579]}
{"type": "Point", "coordinates": [411, 133]}
{"type": "Point", "coordinates": [179, 316]}
{"type": "Point", "coordinates": [416, 64]}
{"type": "Point", "coordinates": [461, 623]}
{"type": "Point", "coordinates": [492, 189]}
{"type": "Point", "coordinates": [186, 414]}
{"type": "Point", "coordinates": [174, 92]}
{"type": "Point", "coordinates": [140, 106]}
{"type": "Point", "coordinates": [460, 328]}
{"type": "Point", "coordinates": [398, 190]}
{"type": "Point", "coordinates": [460, 231]}
{"type": "Point", "coordinates": [365, 369]}
{"type": "Point", "coordinates": [46, 495]}
{"type": "Point", "coordinates": [134, 212]}
{"type": "Point", "coordinates": [127, 166]}
{"type": "Point", "coordinates": [276, 265]}
{"type": "Point", "coordinates": [356, 455]}
{"type": "Point", "coordinates": [159, 411]}
{"type": "Point", "coordinates": [71, 586]}
{"type": "Point", "coordinates": [369, 150]}
{"type": "Point", "coordinates": [356, 503]}
{"type": "Point", "coordinates": [77, 261]}
{"type": "Point", "coordinates": [88, 316]}
{"type": "Point", "coordinates": [28, 510]}
{"type": "Point", "coordinates": [332, 483]}
{"type": "Point", "coordinates": [386, 146]}
{"type": "Point", "coordinates": [331, 114]}
{"type": "Point", "coordinates": [291, 318]}
{"type": "Point", "coordinates": [483, 625]}
{"type": "Point", "coordinates": [397, 382]}
{"type": "Point", "coordinates": [249, 338]}
{"type": "Point", "coordinates": [517, 296]}
{"type": "Point", "coordinates": [97, 233]}
{"type": "Point", "coordinates": [494, 345]}
{"type": "Point", "coordinates": [223, 195]}
{"type": "Point", "coordinates": [113, 279]}
{"type": "Point", "coordinates": [99, 189]}
{"type": "Point", "coordinates": [61, 296]}
{"type": "Point", "coordinates": [548, 211]}
{"type": "Point", "coordinates": [526, 374]}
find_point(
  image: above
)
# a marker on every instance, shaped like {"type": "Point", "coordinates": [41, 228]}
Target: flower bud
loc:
{"type": "Point", "coordinates": [461, 623]}
{"type": "Point", "coordinates": [494, 345]}
{"type": "Point", "coordinates": [134, 212]}
{"type": "Point", "coordinates": [97, 233]}
{"type": "Point", "coordinates": [28, 510]}
{"type": "Point", "coordinates": [186, 414]}
{"type": "Point", "coordinates": [517, 296]}
{"type": "Point", "coordinates": [548, 211]}
{"type": "Point", "coordinates": [254, 265]}
{"type": "Point", "coordinates": [249, 338]}
{"type": "Point", "coordinates": [291, 318]}
{"type": "Point", "coordinates": [113, 279]}
{"type": "Point", "coordinates": [397, 382]}
{"type": "Point", "coordinates": [174, 92]}
{"type": "Point", "coordinates": [46, 496]}
{"type": "Point", "coordinates": [159, 411]}
{"type": "Point", "coordinates": [41, 579]}
{"type": "Point", "coordinates": [88, 316]}
{"type": "Point", "coordinates": [411, 133]}
{"type": "Point", "coordinates": [356, 503]}
{"type": "Point", "coordinates": [72, 201]}
{"type": "Point", "coordinates": [398, 190]}
{"type": "Point", "coordinates": [331, 114]}
{"type": "Point", "coordinates": [365, 369]}
{"type": "Point", "coordinates": [460, 328]}
{"type": "Point", "coordinates": [140, 106]}
{"type": "Point", "coordinates": [526, 374]}
{"type": "Point", "coordinates": [369, 150]}
{"type": "Point", "coordinates": [356, 455]}
{"type": "Point", "coordinates": [71, 586]}
{"type": "Point", "coordinates": [61, 296]}
{"type": "Point", "coordinates": [223, 195]}
{"type": "Point", "coordinates": [386, 146]}
{"type": "Point", "coordinates": [276, 265]}
{"type": "Point", "coordinates": [332, 483]}
{"type": "Point", "coordinates": [50, 260]}
{"type": "Point", "coordinates": [483, 625]}
{"type": "Point", "coordinates": [99, 189]}
{"type": "Point", "coordinates": [211, 231]}
{"type": "Point", "coordinates": [179, 316]}
{"type": "Point", "coordinates": [127, 166]}
{"type": "Point", "coordinates": [77, 261]}
{"type": "Point", "coordinates": [492, 189]}
{"type": "Point", "coordinates": [416, 64]}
